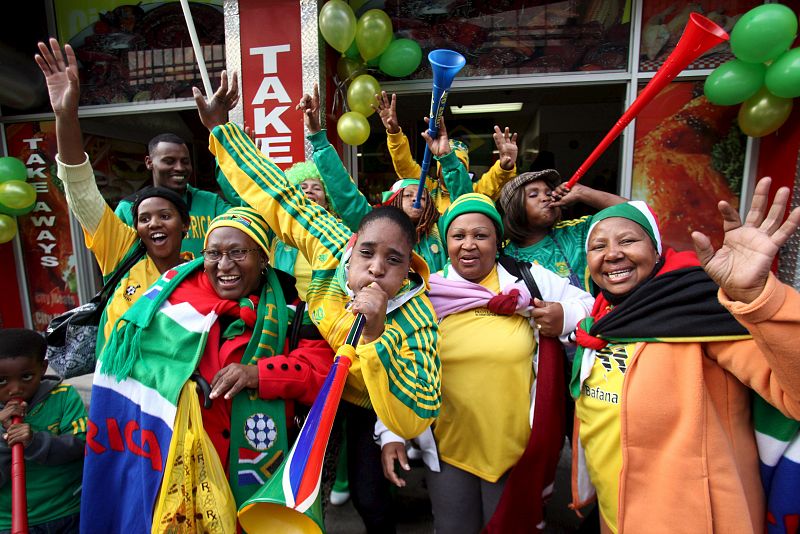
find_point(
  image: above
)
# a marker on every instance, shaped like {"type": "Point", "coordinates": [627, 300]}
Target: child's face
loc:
{"type": "Point", "coordinates": [20, 378]}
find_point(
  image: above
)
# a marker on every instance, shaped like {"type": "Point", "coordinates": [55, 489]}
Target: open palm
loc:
{"type": "Point", "coordinates": [741, 266]}
{"type": "Point", "coordinates": [61, 74]}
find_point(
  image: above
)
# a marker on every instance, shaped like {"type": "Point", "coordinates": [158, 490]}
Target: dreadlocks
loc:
{"type": "Point", "coordinates": [429, 216]}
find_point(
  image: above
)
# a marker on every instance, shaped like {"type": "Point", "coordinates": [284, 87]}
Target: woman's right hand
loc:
{"type": "Point", "coordinates": [61, 76]}
{"type": "Point", "coordinates": [391, 452]}
{"type": "Point", "coordinates": [387, 111]}
{"type": "Point", "coordinates": [215, 111]}
{"type": "Point", "coordinates": [309, 105]}
{"type": "Point", "coordinates": [371, 302]}
{"type": "Point", "coordinates": [440, 145]}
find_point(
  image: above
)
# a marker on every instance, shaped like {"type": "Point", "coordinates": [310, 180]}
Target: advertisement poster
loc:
{"type": "Point", "coordinates": [44, 232]}
{"type": "Point", "coordinates": [663, 23]}
{"type": "Point", "coordinates": [688, 155]}
{"type": "Point", "coordinates": [272, 77]}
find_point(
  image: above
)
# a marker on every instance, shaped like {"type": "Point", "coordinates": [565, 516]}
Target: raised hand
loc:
{"type": "Point", "coordinates": [215, 111]}
{"type": "Point", "coordinates": [309, 105]}
{"type": "Point", "coordinates": [61, 74]}
{"type": "Point", "coordinates": [506, 143]}
{"type": "Point", "coordinates": [742, 265]}
{"type": "Point", "coordinates": [441, 144]}
{"type": "Point", "coordinates": [387, 111]}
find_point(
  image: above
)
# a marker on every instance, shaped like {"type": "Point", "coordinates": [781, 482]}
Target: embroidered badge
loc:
{"type": "Point", "coordinates": [434, 248]}
{"type": "Point", "coordinates": [130, 291]}
{"type": "Point", "coordinates": [260, 431]}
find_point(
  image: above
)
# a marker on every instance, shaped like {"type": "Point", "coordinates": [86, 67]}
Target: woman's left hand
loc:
{"type": "Point", "coordinates": [742, 265]}
{"type": "Point", "coordinates": [371, 302]}
{"type": "Point", "coordinates": [548, 317]}
{"type": "Point", "coordinates": [506, 144]}
{"type": "Point", "coordinates": [232, 379]}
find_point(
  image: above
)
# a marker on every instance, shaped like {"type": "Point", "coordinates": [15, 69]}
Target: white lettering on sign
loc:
{"type": "Point", "coordinates": [267, 110]}
{"type": "Point", "coordinates": [37, 166]}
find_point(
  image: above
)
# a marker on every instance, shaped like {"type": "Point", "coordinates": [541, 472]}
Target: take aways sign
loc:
{"type": "Point", "coordinates": [272, 80]}
{"type": "Point", "coordinates": [44, 232]}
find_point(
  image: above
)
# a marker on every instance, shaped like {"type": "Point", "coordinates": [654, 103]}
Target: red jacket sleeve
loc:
{"type": "Point", "coordinates": [298, 375]}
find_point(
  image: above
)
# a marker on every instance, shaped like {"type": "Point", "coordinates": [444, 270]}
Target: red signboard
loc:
{"type": "Point", "coordinates": [272, 77]}
{"type": "Point", "coordinates": [44, 232]}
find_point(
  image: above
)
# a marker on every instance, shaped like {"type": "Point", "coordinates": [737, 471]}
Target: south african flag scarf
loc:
{"type": "Point", "coordinates": [153, 350]}
{"type": "Point", "coordinates": [679, 304]}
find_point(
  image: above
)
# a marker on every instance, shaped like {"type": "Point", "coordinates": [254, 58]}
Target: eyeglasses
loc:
{"type": "Point", "coordinates": [237, 254]}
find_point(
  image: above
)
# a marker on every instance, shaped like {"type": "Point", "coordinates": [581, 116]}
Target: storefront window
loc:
{"type": "Point", "coordinates": [663, 22]}
{"type": "Point", "coordinates": [557, 128]}
{"type": "Point", "coordinates": [688, 155]}
{"type": "Point", "coordinates": [141, 52]}
{"type": "Point", "coordinates": [509, 37]}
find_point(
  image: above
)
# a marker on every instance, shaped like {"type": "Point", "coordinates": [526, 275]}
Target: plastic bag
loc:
{"type": "Point", "coordinates": [195, 495]}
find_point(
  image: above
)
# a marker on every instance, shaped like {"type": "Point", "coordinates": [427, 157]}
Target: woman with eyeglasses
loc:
{"type": "Point", "coordinates": [374, 272]}
{"type": "Point", "coordinates": [222, 319]}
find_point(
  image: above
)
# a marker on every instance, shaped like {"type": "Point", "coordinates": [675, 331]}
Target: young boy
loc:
{"type": "Point", "coordinates": [53, 433]}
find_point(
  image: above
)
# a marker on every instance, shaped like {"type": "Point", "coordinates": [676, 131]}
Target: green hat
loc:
{"type": "Point", "coordinates": [248, 221]}
{"type": "Point", "coordinates": [471, 203]}
{"type": "Point", "coordinates": [636, 211]}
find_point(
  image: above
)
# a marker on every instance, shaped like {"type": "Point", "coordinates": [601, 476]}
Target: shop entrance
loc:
{"type": "Point", "coordinates": [557, 127]}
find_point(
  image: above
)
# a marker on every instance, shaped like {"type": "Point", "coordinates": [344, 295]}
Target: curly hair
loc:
{"type": "Point", "coordinates": [429, 216]}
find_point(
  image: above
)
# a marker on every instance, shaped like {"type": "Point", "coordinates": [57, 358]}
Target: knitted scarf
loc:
{"type": "Point", "coordinates": [154, 348]}
{"type": "Point", "coordinates": [679, 304]}
{"type": "Point", "coordinates": [452, 294]}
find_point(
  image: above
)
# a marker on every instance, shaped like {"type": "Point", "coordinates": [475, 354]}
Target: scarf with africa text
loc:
{"type": "Point", "coordinates": [154, 349]}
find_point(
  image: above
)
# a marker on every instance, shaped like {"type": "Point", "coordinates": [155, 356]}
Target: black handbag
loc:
{"type": "Point", "coordinates": [72, 336]}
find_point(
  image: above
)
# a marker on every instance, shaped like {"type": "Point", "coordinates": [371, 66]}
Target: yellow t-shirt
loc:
{"type": "Point", "coordinates": [598, 409]}
{"type": "Point", "coordinates": [110, 243]}
{"type": "Point", "coordinates": [487, 374]}
{"type": "Point", "coordinates": [302, 275]}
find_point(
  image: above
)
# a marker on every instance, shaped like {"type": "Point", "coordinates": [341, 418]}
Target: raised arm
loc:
{"type": "Point", "coordinates": [61, 74]}
{"type": "Point", "coordinates": [396, 141]}
{"type": "Point", "coordinates": [262, 185]}
{"type": "Point", "coordinates": [455, 175]}
{"type": "Point", "coordinates": [348, 202]}
{"type": "Point", "coordinates": [504, 169]}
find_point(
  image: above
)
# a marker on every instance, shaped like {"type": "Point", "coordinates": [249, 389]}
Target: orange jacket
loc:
{"type": "Point", "coordinates": [689, 457]}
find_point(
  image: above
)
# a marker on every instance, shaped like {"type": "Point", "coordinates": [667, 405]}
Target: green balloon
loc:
{"type": "Point", "coordinates": [353, 128]}
{"type": "Point", "coordinates": [763, 113]}
{"type": "Point", "coordinates": [337, 23]}
{"type": "Point", "coordinates": [734, 81]}
{"type": "Point", "coordinates": [12, 169]}
{"type": "Point", "coordinates": [8, 228]}
{"type": "Point", "coordinates": [348, 69]}
{"type": "Point", "coordinates": [352, 52]}
{"type": "Point", "coordinates": [783, 76]}
{"type": "Point", "coordinates": [763, 33]}
{"type": "Point", "coordinates": [373, 33]}
{"type": "Point", "coordinates": [361, 95]}
{"type": "Point", "coordinates": [401, 58]}
{"type": "Point", "coordinates": [16, 197]}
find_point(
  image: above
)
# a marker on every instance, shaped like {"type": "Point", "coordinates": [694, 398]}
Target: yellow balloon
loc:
{"type": "Point", "coordinates": [353, 128]}
{"type": "Point", "coordinates": [373, 33]}
{"type": "Point", "coordinates": [16, 197]}
{"type": "Point", "coordinates": [361, 94]}
{"type": "Point", "coordinates": [337, 23]}
{"type": "Point", "coordinates": [8, 228]}
{"type": "Point", "coordinates": [763, 113]}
